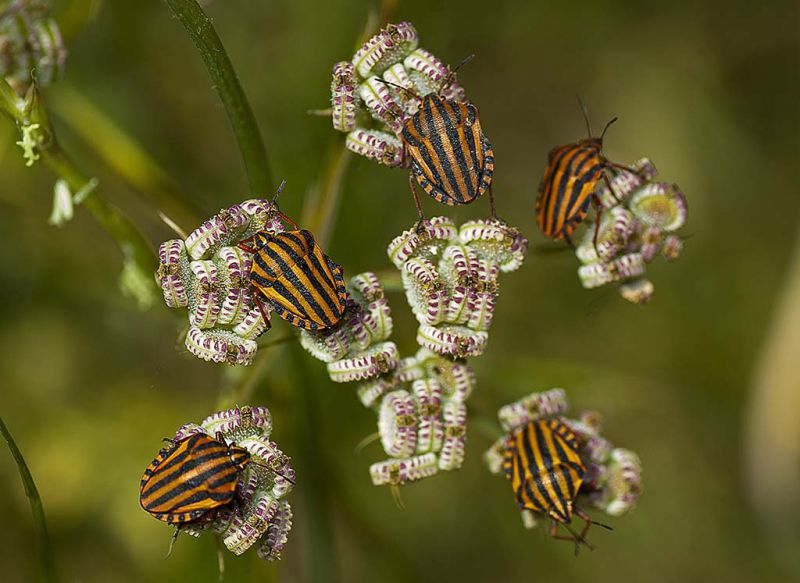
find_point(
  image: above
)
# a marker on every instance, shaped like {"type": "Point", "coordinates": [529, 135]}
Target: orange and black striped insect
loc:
{"type": "Point", "coordinates": [546, 472]}
{"type": "Point", "coordinates": [191, 478]}
{"type": "Point", "coordinates": [304, 286]}
{"type": "Point", "coordinates": [451, 158]}
{"type": "Point", "coordinates": [568, 186]}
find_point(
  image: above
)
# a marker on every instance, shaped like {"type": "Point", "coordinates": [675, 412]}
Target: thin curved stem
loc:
{"type": "Point", "coordinates": [251, 145]}
{"type": "Point", "coordinates": [47, 562]}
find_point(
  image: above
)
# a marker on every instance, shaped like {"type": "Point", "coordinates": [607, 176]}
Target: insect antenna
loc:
{"type": "Point", "coordinates": [172, 542]}
{"type": "Point", "coordinates": [278, 192]}
{"type": "Point", "coordinates": [608, 125]}
{"type": "Point", "coordinates": [277, 208]}
{"type": "Point", "coordinates": [276, 472]}
{"type": "Point", "coordinates": [585, 115]}
{"type": "Point", "coordinates": [400, 87]}
{"type": "Point", "coordinates": [452, 75]}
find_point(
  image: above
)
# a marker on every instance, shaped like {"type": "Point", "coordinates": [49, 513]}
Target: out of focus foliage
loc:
{"type": "Point", "coordinates": [90, 385]}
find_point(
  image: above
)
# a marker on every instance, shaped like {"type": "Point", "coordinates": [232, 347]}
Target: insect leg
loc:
{"type": "Point", "coordinates": [491, 202]}
{"type": "Point", "coordinates": [623, 167]}
{"type": "Point", "coordinates": [288, 220]}
{"type": "Point", "coordinates": [597, 222]}
{"type": "Point", "coordinates": [263, 312]}
{"type": "Point", "coordinates": [246, 248]}
{"type": "Point", "coordinates": [172, 542]}
{"type": "Point", "coordinates": [414, 194]}
{"type": "Point", "coordinates": [610, 188]}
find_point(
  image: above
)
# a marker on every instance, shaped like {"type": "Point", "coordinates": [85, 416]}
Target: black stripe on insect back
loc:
{"type": "Point", "coordinates": [449, 112]}
{"type": "Point", "coordinates": [567, 173]}
{"type": "Point", "coordinates": [533, 468]}
{"type": "Point", "coordinates": [220, 475]}
{"type": "Point", "coordinates": [189, 449]}
{"type": "Point", "coordinates": [438, 145]}
{"type": "Point", "coordinates": [549, 465]}
{"type": "Point", "coordinates": [168, 476]}
{"type": "Point", "coordinates": [586, 174]}
{"type": "Point", "coordinates": [198, 496]}
{"type": "Point", "coordinates": [321, 282]}
{"type": "Point", "coordinates": [284, 292]}
{"type": "Point", "coordinates": [262, 263]}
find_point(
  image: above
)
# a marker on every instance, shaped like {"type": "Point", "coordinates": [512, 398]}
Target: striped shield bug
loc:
{"type": "Point", "coordinates": [451, 158]}
{"type": "Point", "coordinates": [293, 275]}
{"type": "Point", "coordinates": [568, 185]}
{"type": "Point", "coordinates": [192, 477]}
{"type": "Point", "coordinates": [541, 460]}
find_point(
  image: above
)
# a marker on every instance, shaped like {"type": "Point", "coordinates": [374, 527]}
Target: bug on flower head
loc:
{"type": "Point", "coordinates": [541, 460]}
{"type": "Point", "coordinates": [451, 158]}
{"type": "Point", "coordinates": [290, 272]}
{"type": "Point", "coordinates": [568, 184]}
{"type": "Point", "coordinates": [192, 477]}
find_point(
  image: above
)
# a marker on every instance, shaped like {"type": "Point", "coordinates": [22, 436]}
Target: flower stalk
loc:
{"type": "Point", "coordinates": [47, 564]}
{"type": "Point", "coordinates": [243, 122]}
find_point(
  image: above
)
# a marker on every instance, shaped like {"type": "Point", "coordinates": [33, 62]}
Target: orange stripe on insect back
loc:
{"type": "Point", "coordinates": [518, 482]}
{"type": "Point", "coordinates": [452, 160]}
{"type": "Point", "coordinates": [478, 151]}
{"type": "Point", "coordinates": [303, 278]}
{"type": "Point", "coordinates": [169, 476]}
{"type": "Point", "coordinates": [308, 284]}
{"type": "Point", "coordinates": [295, 293]}
{"type": "Point", "coordinates": [540, 467]}
{"type": "Point", "coordinates": [181, 475]}
{"type": "Point", "coordinates": [550, 438]}
{"type": "Point", "coordinates": [559, 168]}
{"type": "Point", "coordinates": [325, 277]}
{"type": "Point", "coordinates": [175, 504]}
{"type": "Point", "coordinates": [436, 120]}
{"type": "Point", "coordinates": [567, 167]}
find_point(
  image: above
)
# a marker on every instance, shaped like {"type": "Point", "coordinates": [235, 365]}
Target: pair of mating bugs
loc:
{"type": "Point", "coordinates": [453, 161]}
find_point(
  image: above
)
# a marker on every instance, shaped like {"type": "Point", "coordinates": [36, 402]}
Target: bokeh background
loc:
{"type": "Point", "coordinates": [702, 383]}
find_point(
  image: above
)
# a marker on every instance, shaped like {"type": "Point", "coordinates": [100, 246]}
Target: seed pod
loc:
{"type": "Point", "coordinates": [344, 100]}
{"type": "Point", "coordinates": [399, 471]}
{"type": "Point", "coordinates": [378, 359]}
{"type": "Point", "coordinates": [533, 407]}
{"type": "Point", "coordinates": [397, 424]}
{"type": "Point", "coordinates": [457, 341]}
{"type": "Point", "coordinates": [430, 431]}
{"type": "Point", "coordinates": [376, 145]}
{"type": "Point", "coordinates": [172, 267]}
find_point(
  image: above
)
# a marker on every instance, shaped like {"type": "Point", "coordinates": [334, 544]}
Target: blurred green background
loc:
{"type": "Point", "coordinates": [702, 383]}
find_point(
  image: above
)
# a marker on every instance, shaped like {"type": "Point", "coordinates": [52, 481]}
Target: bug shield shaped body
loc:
{"type": "Point", "coordinates": [451, 159]}
{"type": "Point", "coordinates": [191, 478]}
{"type": "Point", "coordinates": [541, 460]}
{"type": "Point", "coordinates": [567, 188]}
{"type": "Point", "coordinates": [304, 286]}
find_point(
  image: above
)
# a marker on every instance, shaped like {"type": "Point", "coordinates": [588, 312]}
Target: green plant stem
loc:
{"type": "Point", "coordinates": [47, 562]}
{"type": "Point", "coordinates": [131, 242]}
{"type": "Point", "coordinates": [313, 469]}
{"type": "Point", "coordinates": [240, 114]}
